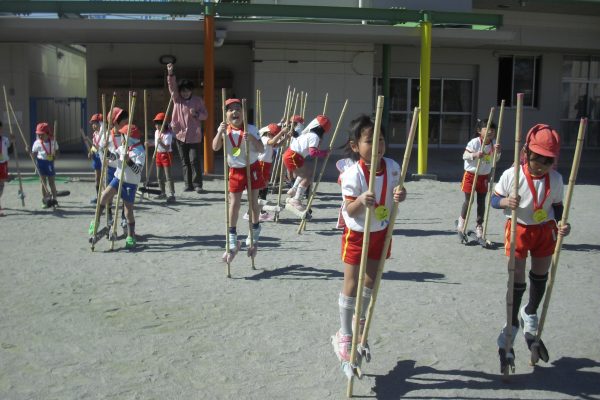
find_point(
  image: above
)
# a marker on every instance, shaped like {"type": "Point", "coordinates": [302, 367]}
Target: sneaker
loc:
{"type": "Point", "coordinates": [246, 216]}
{"type": "Point", "coordinates": [297, 204]}
{"type": "Point", "coordinates": [291, 192]}
{"type": "Point", "coordinates": [501, 341]}
{"type": "Point", "coordinates": [479, 231]}
{"type": "Point", "coordinates": [130, 242]}
{"type": "Point", "coordinates": [528, 322]}
{"type": "Point", "coordinates": [91, 228]}
{"type": "Point", "coordinates": [255, 235]}
{"type": "Point", "coordinates": [461, 224]}
{"type": "Point", "coordinates": [265, 217]}
{"type": "Point", "coordinates": [171, 199]}
{"type": "Point", "coordinates": [232, 238]}
{"type": "Point", "coordinates": [344, 346]}
{"type": "Point", "coordinates": [161, 196]}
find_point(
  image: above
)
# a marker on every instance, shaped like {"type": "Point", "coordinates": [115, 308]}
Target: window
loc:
{"type": "Point", "coordinates": [450, 109]}
{"type": "Point", "coordinates": [519, 74]}
{"type": "Point", "coordinates": [580, 98]}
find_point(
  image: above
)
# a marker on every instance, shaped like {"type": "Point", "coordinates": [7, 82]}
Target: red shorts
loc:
{"type": "Point", "coordinates": [4, 171]}
{"type": "Point", "coordinates": [292, 160]}
{"type": "Point", "coordinates": [540, 239]}
{"type": "Point", "coordinates": [352, 246]}
{"type": "Point", "coordinates": [164, 159]}
{"type": "Point", "coordinates": [265, 168]}
{"type": "Point", "coordinates": [238, 181]}
{"type": "Point", "coordinates": [467, 183]}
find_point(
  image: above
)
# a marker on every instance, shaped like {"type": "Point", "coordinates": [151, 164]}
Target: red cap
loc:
{"type": "Point", "coordinates": [135, 132]}
{"type": "Point", "coordinates": [159, 117]}
{"type": "Point", "coordinates": [543, 140]}
{"type": "Point", "coordinates": [274, 129]}
{"type": "Point", "coordinates": [297, 119]}
{"type": "Point", "coordinates": [115, 114]}
{"type": "Point", "coordinates": [42, 128]}
{"type": "Point", "coordinates": [96, 118]}
{"type": "Point", "coordinates": [324, 122]}
{"type": "Point", "coordinates": [232, 101]}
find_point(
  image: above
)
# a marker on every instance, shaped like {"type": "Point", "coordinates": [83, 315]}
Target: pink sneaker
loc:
{"type": "Point", "coordinates": [265, 216]}
{"type": "Point", "coordinates": [297, 204]}
{"type": "Point", "coordinates": [344, 346]}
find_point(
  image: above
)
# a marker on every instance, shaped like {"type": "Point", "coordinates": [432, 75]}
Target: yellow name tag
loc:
{"type": "Point", "coordinates": [236, 151]}
{"type": "Point", "coordinates": [540, 215]}
{"type": "Point", "coordinates": [382, 213]}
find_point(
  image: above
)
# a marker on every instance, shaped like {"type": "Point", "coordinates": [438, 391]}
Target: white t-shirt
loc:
{"type": "Point", "coordinates": [43, 150]}
{"type": "Point", "coordinates": [302, 143]}
{"type": "Point", "coordinates": [234, 135]}
{"type": "Point", "coordinates": [137, 154]}
{"type": "Point", "coordinates": [5, 144]}
{"type": "Point", "coordinates": [267, 154]}
{"type": "Point", "coordinates": [475, 146]}
{"type": "Point", "coordinates": [97, 135]}
{"type": "Point", "coordinates": [354, 183]}
{"type": "Point", "coordinates": [167, 138]}
{"type": "Point", "coordinates": [505, 185]}
{"type": "Point", "coordinates": [114, 142]}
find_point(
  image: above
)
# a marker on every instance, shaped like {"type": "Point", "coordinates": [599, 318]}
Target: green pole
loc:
{"type": "Point", "coordinates": [425, 72]}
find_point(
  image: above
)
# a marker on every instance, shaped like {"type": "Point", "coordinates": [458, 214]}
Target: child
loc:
{"type": "Point", "coordinates": [113, 141]}
{"type": "Point", "coordinates": [97, 132]}
{"type": "Point", "coordinates": [132, 159]}
{"type": "Point", "coordinates": [271, 136]}
{"type": "Point", "coordinates": [45, 149]}
{"type": "Point", "coordinates": [5, 147]}
{"type": "Point", "coordinates": [188, 113]}
{"type": "Point", "coordinates": [164, 157]}
{"type": "Point", "coordinates": [355, 191]}
{"type": "Point", "coordinates": [296, 126]}
{"type": "Point", "coordinates": [479, 148]}
{"type": "Point", "coordinates": [232, 131]}
{"type": "Point", "coordinates": [539, 211]}
{"type": "Point", "coordinates": [294, 158]}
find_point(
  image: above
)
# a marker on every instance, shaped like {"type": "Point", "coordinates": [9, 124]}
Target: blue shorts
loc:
{"type": "Point", "coordinates": [110, 174]}
{"type": "Point", "coordinates": [127, 191]}
{"type": "Point", "coordinates": [45, 167]}
{"type": "Point", "coordinates": [96, 163]}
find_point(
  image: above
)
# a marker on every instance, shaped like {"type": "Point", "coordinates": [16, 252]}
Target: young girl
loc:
{"type": "Point", "coordinates": [306, 144]}
{"type": "Point", "coordinates": [355, 191]}
{"type": "Point", "coordinates": [479, 148]}
{"type": "Point", "coordinates": [539, 211]}
{"type": "Point", "coordinates": [164, 157]}
{"type": "Point", "coordinates": [132, 159]}
{"type": "Point", "coordinates": [5, 147]}
{"type": "Point", "coordinates": [232, 130]}
{"type": "Point", "coordinates": [45, 149]}
{"type": "Point", "coordinates": [97, 132]}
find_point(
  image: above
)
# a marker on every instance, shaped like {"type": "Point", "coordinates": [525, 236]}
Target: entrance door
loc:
{"type": "Point", "coordinates": [70, 114]}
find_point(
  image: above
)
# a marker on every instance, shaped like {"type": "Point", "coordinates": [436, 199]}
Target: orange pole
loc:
{"type": "Point", "coordinates": [209, 86]}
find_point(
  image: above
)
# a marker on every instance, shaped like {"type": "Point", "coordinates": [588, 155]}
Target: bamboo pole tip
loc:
{"type": "Point", "coordinates": [520, 96]}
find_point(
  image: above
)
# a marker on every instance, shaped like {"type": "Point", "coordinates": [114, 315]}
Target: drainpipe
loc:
{"type": "Point", "coordinates": [424, 93]}
{"type": "Point", "coordinates": [209, 84]}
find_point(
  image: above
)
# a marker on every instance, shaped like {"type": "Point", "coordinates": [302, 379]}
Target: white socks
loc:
{"type": "Point", "coordinates": [300, 193]}
{"type": "Point", "coordinates": [346, 305]}
{"type": "Point", "coordinates": [297, 182]}
{"type": "Point", "coordinates": [366, 295]}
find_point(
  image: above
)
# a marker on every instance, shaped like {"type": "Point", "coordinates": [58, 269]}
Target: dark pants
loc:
{"type": "Point", "coordinates": [480, 207]}
{"type": "Point", "coordinates": [191, 159]}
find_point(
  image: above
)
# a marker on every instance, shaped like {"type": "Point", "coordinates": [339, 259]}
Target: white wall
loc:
{"type": "Point", "coordinates": [55, 71]}
{"type": "Point", "coordinates": [344, 71]}
{"type": "Point", "coordinates": [14, 76]}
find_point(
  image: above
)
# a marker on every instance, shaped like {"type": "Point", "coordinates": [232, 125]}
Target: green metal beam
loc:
{"type": "Point", "coordinates": [242, 10]}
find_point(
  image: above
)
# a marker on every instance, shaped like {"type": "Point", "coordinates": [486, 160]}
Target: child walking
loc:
{"type": "Point", "coordinates": [45, 149]}
{"type": "Point", "coordinates": [479, 148]}
{"type": "Point", "coordinates": [97, 132]}
{"type": "Point", "coordinates": [5, 147]}
{"type": "Point", "coordinates": [164, 157]}
{"type": "Point", "coordinates": [132, 159]}
{"type": "Point", "coordinates": [306, 144]}
{"type": "Point", "coordinates": [232, 130]}
{"type": "Point", "coordinates": [356, 195]}
{"type": "Point", "coordinates": [539, 211]}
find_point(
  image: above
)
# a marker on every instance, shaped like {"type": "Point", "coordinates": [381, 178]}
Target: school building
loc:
{"type": "Point", "coordinates": [58, 57]}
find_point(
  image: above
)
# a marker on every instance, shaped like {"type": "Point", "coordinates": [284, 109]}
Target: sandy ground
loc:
{"type": "Point", "coordinates": [164, 322]}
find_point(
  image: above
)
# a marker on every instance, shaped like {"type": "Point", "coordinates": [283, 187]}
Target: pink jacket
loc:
{"type": "Point", "coordinates": [187, 127]}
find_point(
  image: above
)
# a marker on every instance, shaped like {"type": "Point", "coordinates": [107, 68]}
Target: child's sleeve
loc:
{"type": "Point", "coordinates": [502, 188]}
{"type": "Point", "coordinates": [350, 183]}
{"type": "Point", "coordinates": [35, 147]}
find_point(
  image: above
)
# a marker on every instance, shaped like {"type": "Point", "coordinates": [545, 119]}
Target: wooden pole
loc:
{"type": "Point", "coordinates": [252, 247]}
{"type": "Point", "coordinates": [282, 150]}
{"type": "Point", "coordinates": [146, 132]}
{"type": "Point", "coordinates": [162, 129]}
{"type": "Point", "coordinates": [366, 240]}
{"type": "Point", "coordinates": [513, 236]}
{"type": "Point", "coordinates": [325, 104]}
{"type": "Point", "coordinates": [492, 174]}
{"type": "Point", "coordinates": [226, 181]}
{"type": "Point", "coordinates": [316, 184]}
